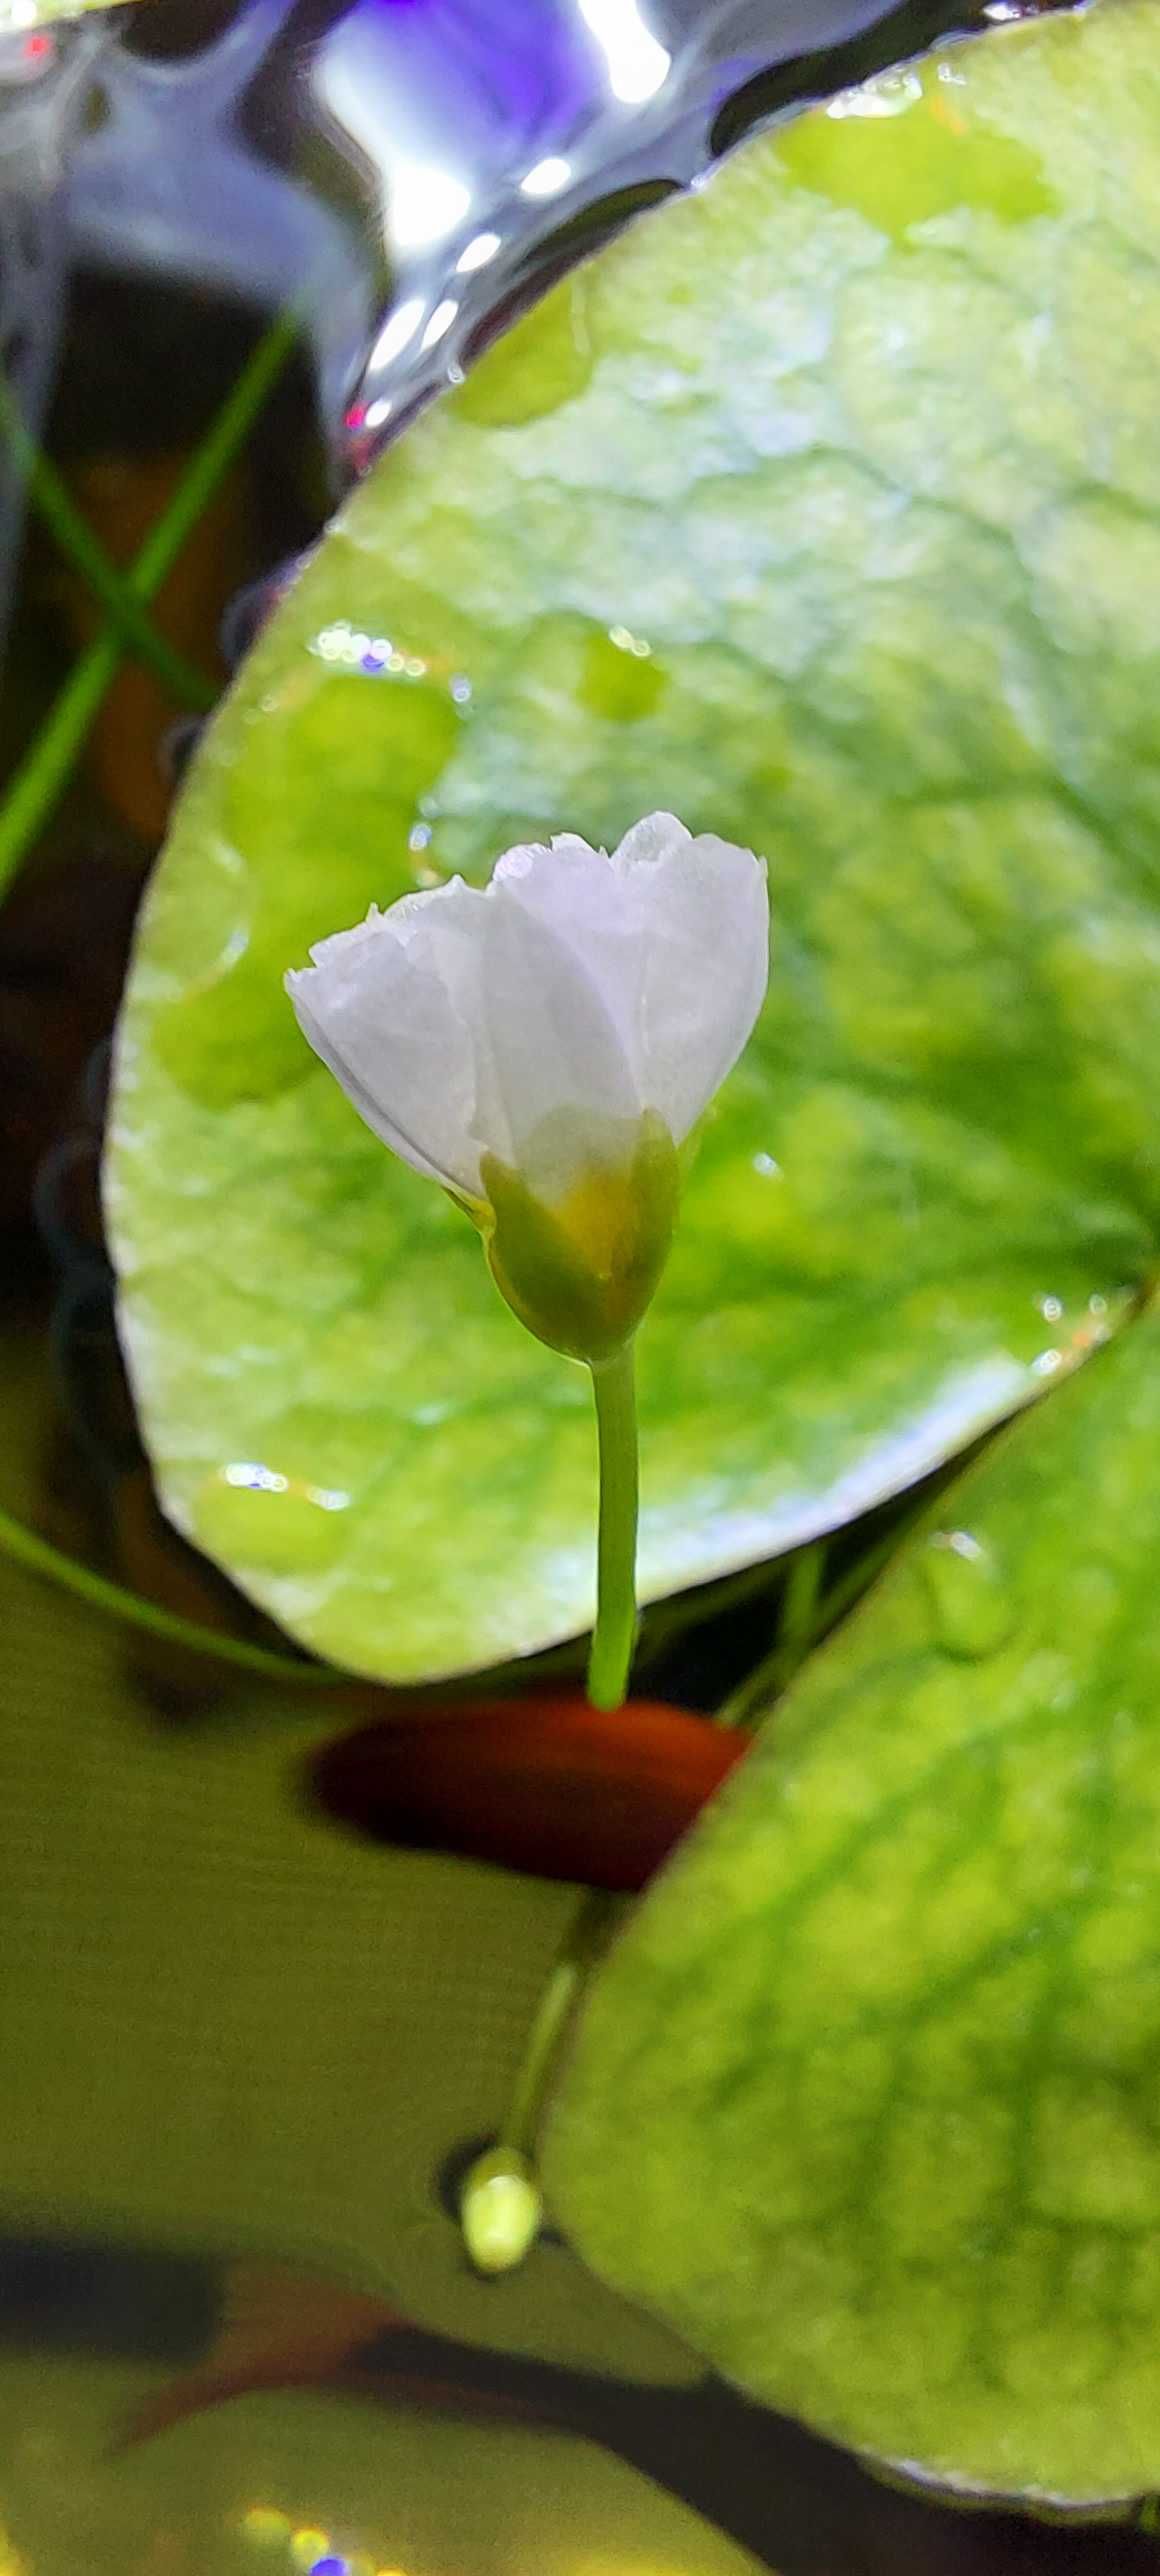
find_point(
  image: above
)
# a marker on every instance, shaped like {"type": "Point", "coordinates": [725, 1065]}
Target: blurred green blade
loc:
{"type": "Point", "coordinates": [18, 17]}
{"type": "Point", "coordinates": [822, 509]}
{"type": "Point", "coordinates": [886, 2037]}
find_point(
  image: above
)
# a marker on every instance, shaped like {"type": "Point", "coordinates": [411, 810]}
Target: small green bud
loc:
{"type": "Point", "coordinates": [501, 2210]}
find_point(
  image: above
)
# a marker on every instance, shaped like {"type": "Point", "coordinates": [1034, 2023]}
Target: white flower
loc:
{"type": "Point", "coordinates": [542, 1045]}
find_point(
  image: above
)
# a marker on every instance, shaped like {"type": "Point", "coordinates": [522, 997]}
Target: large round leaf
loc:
{"type": "Point", "coordinates": [820, 508]}
{"type": "Point", "coordinates": [885, 2039]}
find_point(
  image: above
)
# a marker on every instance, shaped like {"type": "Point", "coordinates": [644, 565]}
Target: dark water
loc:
{"type": "Point", "coordinates": [407, 173]}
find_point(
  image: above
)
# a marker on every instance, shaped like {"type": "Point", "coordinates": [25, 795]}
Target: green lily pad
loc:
{"type": "Point", "coordinates": [822, 508]}
{"type": "Point", "coordinates": [886, 2036]}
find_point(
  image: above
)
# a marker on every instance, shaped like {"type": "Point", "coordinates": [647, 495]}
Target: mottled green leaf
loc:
{"type": "Point", "coordinates": [884, 2041]}
{"type": "Point", "coordinates": [823, 509]}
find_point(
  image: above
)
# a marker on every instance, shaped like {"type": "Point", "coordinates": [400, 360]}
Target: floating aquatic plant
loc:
{"type": "Point", "coordinates": [541, 1046]}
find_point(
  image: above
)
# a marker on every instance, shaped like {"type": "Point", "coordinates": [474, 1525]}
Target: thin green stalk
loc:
{"type": "Point", "coordinates": [138, 634]}
{"type": "Point", "coordinates": [500, 2203]}
{"type": "Point", "coordinates": [665, 1621]}
{"type": "Point", "coordinates": [581, 1945]}
{"type": "Point", "coordinates": [614, 1635]}
{"type": "Point", "coordinates": [865, 1571]}
{"type": "Point", "coordinates": [26, 1547]}
{"type": "Point", "coordinates": [43, 774]}
{"type": "Point", "coordinates": [796, 1628]}
{"type": "Point", "coordinates": [777, 1669]}
{"type": "Point", "coordinates": [803, 1589]}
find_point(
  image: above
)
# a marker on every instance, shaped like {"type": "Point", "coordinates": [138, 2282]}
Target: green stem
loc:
{"type": "Point", "coordinates": [500, 2205]}
{"type": "Point", "coordinates": [614, 1634]}
{"type": "Point", "coordinates": [794, 1642]}
{"type": "Point", "coordinates": [74, 537]}
{"type": "Point", "coordinates": [43, 774]}
{"type": "Point", "coordinates": [26, 1547]}
{"type": "Point", "coordinates": [797, 1628]}
{"type": "Point", "coordinates": [666, 1621]}
{"type": "Point", "coordinates": [580, 1946]}
{"type": "Point", "coordinates": [803, 1591]}
{"type": "Point", "coordinates": [865, 1571]}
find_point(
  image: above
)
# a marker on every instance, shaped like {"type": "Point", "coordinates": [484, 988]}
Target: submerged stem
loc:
{"type": "Point", "coordinates": [26, 1547]}
{"type": "Point", "coordinates": [580, 1947]}
{"type": "Point", "coordinates": [43, 773]}
{"type": "Point", "coordinates": [614, 1635]}
{"type": "Point", "coordinates": [79, 546]}
{"type": "Point", "coordinates": [500, 2205]}
{"type": "Point", "coordinates": [797, 1629]}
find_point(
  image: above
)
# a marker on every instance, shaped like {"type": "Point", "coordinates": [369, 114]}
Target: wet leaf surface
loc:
{"type": "Point", "coordinates": [822, 508]}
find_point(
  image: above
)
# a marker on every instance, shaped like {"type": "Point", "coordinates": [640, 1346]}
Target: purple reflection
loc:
{"type": "Point", "coordinates": [515, 67]}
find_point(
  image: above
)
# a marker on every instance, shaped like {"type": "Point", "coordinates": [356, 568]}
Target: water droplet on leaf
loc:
{"type": "Point", "coordinates": [975, 1614]}
{"type": "Point", "coordinates": [620, 679]}
{"type": "Point", "coordinates": [249, 1511]}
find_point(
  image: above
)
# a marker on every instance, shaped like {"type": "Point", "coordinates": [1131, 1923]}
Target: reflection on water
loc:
{"type": "Point", "coordinates": [442, 2463]}
{"type": "Point", "coordinates": [409, 169]}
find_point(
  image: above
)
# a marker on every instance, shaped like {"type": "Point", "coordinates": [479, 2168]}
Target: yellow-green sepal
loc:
{"type": "Point", "coordinates": [580, 1272]}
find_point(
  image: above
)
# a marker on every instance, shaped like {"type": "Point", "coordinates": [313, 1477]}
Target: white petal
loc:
{"type": "Point", "coordinates": [700, 911]}
{"type": "Point", "coordinates": [577, 894]}
{"type": "Point", "coordinates": [562, 1072]}
{"type": "Point", "coordinates": [657, 836]}
{"type": "Point", "coordinates": [539, 1018]}
{"type": "Point", "coordinates": [390, 1008]}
